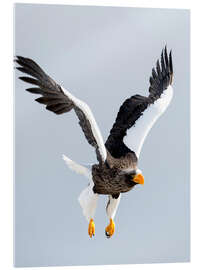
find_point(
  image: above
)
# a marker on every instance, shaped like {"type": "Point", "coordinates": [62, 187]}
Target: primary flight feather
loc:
{"type": "Point", "coordinates": [117, 168]}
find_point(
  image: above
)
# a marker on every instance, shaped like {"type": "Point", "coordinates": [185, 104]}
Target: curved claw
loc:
{"type": "Point", "coordinates": [107, 234]}
{"type": "Point", "coordinates": [110, 229]}
{"type": "Point", "coordinates": [91, 228]}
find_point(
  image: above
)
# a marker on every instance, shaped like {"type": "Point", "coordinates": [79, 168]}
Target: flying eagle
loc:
{"type": "Point", "coordinates": [117, 168]}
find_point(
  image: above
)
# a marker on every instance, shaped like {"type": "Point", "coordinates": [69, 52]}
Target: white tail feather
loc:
{"type": "Point", "coordinates": [77, 167]}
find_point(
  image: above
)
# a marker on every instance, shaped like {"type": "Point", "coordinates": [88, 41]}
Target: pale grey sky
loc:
{"type": "Point", "coordinates": [102, 55]}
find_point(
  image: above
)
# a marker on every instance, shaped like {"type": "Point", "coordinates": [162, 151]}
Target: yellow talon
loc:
{"type": "Point", "coordinates": [110, 229]}
{"type": "Point", "coordinates": [91, 228]}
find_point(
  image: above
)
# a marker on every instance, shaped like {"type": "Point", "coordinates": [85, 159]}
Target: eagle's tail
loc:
{"type": "Point", "coordinates": [80, 169]}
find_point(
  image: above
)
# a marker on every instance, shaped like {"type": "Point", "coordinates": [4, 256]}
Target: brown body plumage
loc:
{"type": "Point", "coordinates": [112, 176]}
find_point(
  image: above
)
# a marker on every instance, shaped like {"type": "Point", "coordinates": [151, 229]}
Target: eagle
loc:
{"type": "Point", "coordinates": [116, 170]}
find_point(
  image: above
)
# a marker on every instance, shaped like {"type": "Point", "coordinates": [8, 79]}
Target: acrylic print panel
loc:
{"type": "Point", "coordinates": [102, 55]}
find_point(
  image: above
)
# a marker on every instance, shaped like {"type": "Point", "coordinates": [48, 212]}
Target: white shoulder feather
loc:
{"type": "Point", "coordinates": [89, 115]}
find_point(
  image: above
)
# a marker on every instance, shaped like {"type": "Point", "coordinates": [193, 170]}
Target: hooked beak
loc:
{"type": "Point", "coordinates": [139, 179]}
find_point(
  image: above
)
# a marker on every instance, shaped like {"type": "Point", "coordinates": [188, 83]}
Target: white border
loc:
{"type": "Point", "coordinates": [6, 144]}
{"type": "Point", "coordinates": [121, 3]}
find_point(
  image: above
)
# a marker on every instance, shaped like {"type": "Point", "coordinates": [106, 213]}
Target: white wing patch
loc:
{"type": "Point", "coordinates": [88, 113]}
{"type": "Point", "coordinates": [136, 135]}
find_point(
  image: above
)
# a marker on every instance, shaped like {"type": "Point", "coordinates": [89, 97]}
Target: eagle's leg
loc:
{"type": "Point", "coordinates": [111, 209]}
{"type": "Point", "coordinates": [88, 201]}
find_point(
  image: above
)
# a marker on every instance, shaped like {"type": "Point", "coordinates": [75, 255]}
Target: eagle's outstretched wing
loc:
{"type": "Point", "coordinates": [138, 114]}
{"type": "Point", "coordinates": [59, 100]}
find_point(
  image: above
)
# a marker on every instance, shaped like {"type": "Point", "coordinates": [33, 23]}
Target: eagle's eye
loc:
{"type": "Point", "coordinates": [129, 177]}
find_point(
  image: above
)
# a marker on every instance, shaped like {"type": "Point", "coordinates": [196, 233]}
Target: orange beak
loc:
{"type": "Point", "coordinates": [139, 179]}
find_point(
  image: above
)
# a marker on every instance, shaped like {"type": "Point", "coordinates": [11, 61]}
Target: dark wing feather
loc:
{"type": "Point", "coordinates": [55, 99]}
{"type": "Point", "coordinates": [133, 108]}
{"type": "Point", "coordinates": [129, 112]}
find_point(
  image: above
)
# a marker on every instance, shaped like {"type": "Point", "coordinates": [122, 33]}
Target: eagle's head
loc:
{"type": "Point", "coordinates": [134, 176]}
